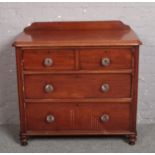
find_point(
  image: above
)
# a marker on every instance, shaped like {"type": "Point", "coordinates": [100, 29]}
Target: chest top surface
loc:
{"type": "Point", "coordinates": [90, 33]}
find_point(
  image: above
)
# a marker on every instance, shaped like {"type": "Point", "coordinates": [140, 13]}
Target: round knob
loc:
{"type": "Point", "coordinates": [105, 62]}
{"type": "Point", "coordinates": [48, 62]}
{"type": "Point", "coordinates": [49, 88]}
{"type": "Point", "coordinates": [105, 87]}
{"type": "Point", "coordinates": [50, 118]}
{"type": "Point", "coordinates": [105, 118]}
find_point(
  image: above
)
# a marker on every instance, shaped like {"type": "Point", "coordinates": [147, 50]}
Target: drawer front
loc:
{"type": "Point", "coordinates": [49, 116]}
{"type": "Point", "coordinates": [103, 116]}
{"type": "Point", "coordinates": [48, 59]}
{"type": "Point", "coordinates": [78, 86]}
{"type": "Point", "coordinates": [79, 116]}
{"type": "Point", "coordinates": [99, 59]}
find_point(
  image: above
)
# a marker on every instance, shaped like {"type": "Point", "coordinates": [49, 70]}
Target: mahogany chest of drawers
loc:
{"type": "Point", "coordinates": [77, 78]}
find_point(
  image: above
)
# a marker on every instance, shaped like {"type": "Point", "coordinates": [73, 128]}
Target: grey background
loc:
{"type": "Point", "coordinates": [15, 16]}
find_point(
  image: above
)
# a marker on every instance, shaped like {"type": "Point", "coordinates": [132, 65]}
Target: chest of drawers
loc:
{"type": "Point", "coordinates": [77, 78]}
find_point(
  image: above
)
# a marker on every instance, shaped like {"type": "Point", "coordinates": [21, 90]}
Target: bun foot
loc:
{"type": "Point", "coordinates": [23, 140]}
{"type": "Point", "coordinates": [132, 139]}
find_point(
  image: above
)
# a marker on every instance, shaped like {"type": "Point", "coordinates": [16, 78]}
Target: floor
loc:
{"type": "Point", "coordinates": [9, 142]}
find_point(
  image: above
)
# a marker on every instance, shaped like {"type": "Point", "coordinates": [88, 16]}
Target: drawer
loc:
{"type": "Point", "coordinates": [79, 116]}
{"type": "Point", "coordinates": [99, 59]}
{"type": "Point", "coordinates": [103, 116]}
{"type": "Point", "coordinates": [49, 116]}
{"type": "Point", "coordinates": [37, 59]}
{"type": "Point", "coordinates": [78, 86]}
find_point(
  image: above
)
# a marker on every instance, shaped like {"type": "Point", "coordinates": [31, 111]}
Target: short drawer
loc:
{"type": "Point", "coordinates": [40, 59]}
{"type": "Point", "coordinates": [49, 116]}
{"type": "Point", "coordinates": [80, 116]}
{"type": "Point", "coordinates": [105, 59]}
{"type": "Point", "coordinates": [78, 86]}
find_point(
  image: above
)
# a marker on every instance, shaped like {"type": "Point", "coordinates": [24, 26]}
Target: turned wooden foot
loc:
{"type": "Point", "coordinates": [132, 139]}
{"type": "Point", "coordinates": [23, 140]}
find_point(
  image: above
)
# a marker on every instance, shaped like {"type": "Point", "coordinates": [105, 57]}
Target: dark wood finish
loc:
{"type": "Point", "coordinates": [22, 112]}
{"type": "Point", "coordinates": [77, 106]}
{"type": "Point", "coordinates": [118, 71]}
{"type": "Point", "coordinates": [78, 86]}
{"type": "Point", "coordinates": [85, 25]}
{"type": "Point", "coordinates": [73, 116]}
{"type": "Point", "coordinates": [62, 59]}
{"type": "Point", "coordinates": [107, 33]}
{"type": "Point", "coordinates": [109, 100]}
{"type": "Point", "coordinates": [132, 139]}
{"type": "Point", "coordinates": [120, 58]}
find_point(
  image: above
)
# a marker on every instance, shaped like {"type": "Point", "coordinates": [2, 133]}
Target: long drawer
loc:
{"type": "Point", "coordinates": [79, 116]}
{"type": "Point", "coordinates": [78, 86]}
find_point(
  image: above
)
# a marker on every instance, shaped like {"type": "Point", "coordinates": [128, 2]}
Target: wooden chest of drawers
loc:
{"type": "Point", "coordinates": [77, 78]}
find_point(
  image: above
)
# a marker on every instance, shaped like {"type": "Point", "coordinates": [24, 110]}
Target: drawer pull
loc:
{"type": "Point", "coordinates": [105, 62]}
{"type": "Point", "coordinates": [48, 62]}
{"type": "Point", "coordinates": [50, 118]}
{"type": "Point", "coordinates": [105, 87]}
{"type": "Point", "coordinates": [49, 88]}
{"type": "Point", "coordinates": [105, 118]}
